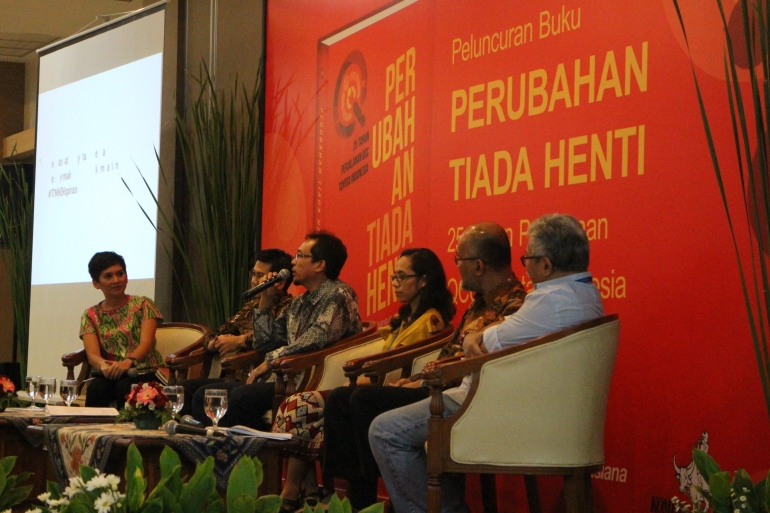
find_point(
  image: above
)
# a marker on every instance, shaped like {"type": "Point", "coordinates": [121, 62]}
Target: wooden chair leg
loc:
{"type": "Point", "coordinates": [533, 494]}
{"type": "Point", "coordinates": [572, 488]}
{"type": "Point", "coordinates": [488, 492]}
{"type": "Point", "coordinates": [588, 493]}
{"type": "Point", "coordinates": [434, 493]}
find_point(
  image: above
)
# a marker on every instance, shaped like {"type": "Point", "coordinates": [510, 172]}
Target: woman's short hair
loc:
{"type": "Point", "coordinates": [435, 294]}
{"type": "Point", "coordinates": [331, 250]}
{"type": "Point", "coordinates": [560, 238]}
{"type": "Point", "coordinates": [103, 260]}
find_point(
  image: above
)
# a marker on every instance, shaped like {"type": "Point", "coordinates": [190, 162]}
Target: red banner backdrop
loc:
{"type": "Point", "coordinates": [397, 124]}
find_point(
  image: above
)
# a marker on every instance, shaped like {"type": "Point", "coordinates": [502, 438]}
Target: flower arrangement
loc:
{"type": "Point", "coordinates": [99, 494]}
{"type": "Point", "coordinates": [144, 399]}
{"type": "Point", "coordinates": [8, 395]}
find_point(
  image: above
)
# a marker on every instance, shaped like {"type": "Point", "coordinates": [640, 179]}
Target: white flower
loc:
{"type": "Point", "coordinates": [99, 481]}
{"type": "Point", "coordinates": [76, 483]}
{"type": "Point", "coordinates": [60, 502]}
{"type": "Point", "coordinates": [36, 510]}
{"type": "Point", "coordinates": [127, 405]}
{"type": "Point", "coordinates": [113, 481]}
{"type": "Point", "coordinates": [6, 511]}
{"type": "Point", "coordinates": [152, 406]}
{"type": "Point", "coordinates": [103, 503]}
{"type": "Point", "coordinates": [43, 497]}
{"type": "Point", "coordinates": [743, 498]}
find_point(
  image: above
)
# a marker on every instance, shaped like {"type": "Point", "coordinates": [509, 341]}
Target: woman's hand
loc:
{"type": "Point", "coordinates": [262, 369]}
{"type": "Point", "coordinates": [114, 370]}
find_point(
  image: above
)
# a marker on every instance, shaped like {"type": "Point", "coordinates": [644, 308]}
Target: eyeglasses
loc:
{"type": "Point", "coordinates": [301, 255]}
{"type": "Point", "coordinates": [459, 259]}
{"type": "Point", "coordinates": [255, 274]}
{"type": "Point", "coordinates": [398, 278]}
{"type": "Point", "coordinates": [524, 258]}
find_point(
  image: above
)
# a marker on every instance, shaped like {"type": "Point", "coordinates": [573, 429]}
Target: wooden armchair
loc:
{"type": "Point", "coordinates": [533, 409]}
{"type": "Point", "coordinates": [169, 336]}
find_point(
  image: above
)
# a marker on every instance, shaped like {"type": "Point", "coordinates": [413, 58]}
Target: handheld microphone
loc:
{"type": "Point", "coordinates": [283, 275]}
{"type": "Point", "coordinates": [173, 427]}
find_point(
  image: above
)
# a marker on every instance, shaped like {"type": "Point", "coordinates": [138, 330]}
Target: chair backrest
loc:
{"type": "Point", "coordinates": [333, 374]}
{"type": "Point", "coordinates": [544, 406]}
{"type": "Point", "coordinates": [173, 336]}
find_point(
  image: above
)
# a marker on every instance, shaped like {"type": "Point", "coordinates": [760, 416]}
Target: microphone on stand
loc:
{"type": "Point", "coordinates": [173, 427]}
{"type": "Point", "coordinates": [283, 275]}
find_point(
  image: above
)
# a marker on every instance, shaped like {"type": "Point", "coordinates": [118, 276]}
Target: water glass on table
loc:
{"type": "Point", "coordinates": [175, 396]}
{"type": "Point", "coordinates": [32, 384]}
{"type": "Point", "coordinates": [68, 389]}
{"type": "Point", "coordinates": [47, 388]}
{"type": "Point", "coordinates": [215, 404]}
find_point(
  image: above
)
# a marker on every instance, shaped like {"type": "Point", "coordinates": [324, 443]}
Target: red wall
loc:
{"type": "Point", "coordinates": [661, 248]}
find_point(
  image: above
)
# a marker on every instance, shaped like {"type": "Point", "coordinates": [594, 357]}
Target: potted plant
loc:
{"type": "Point", "coordinates": [147, 406]}
{"type": "Point", "coordinates": [8, 396]}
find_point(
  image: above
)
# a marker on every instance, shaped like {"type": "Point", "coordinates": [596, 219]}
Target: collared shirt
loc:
{"type": "Point", "coordinates": [553, 305]}
{"type": "Point", "coordinates": [485, 309]}
{"type": "Point", "coordinates": [312, 321]}
{"type": "Point", "coordinates": [243, 322]}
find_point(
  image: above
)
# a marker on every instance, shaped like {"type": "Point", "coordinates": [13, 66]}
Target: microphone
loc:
{"type": "Point", "coordinates": [190, 421]}
{"type": "Point", "coordinates": [173, 427]}
{"type": "Point", "coordinates": [283, 275]}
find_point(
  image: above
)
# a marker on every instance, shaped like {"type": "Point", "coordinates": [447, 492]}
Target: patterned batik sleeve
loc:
{"type": "Point", "coordinates": [151, 311]}
{"type": "Point", "coordinates": [86, 326]}
{"type": "Point", "coordinates": [330, 325]}
{"type": "Point", "coordinates": [269, 331]}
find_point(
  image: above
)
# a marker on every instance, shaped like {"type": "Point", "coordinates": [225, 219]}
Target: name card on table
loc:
{"type": "Point", "coordinates": [80, 411]}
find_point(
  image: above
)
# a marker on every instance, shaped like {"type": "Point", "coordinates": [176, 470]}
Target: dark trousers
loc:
{"type": "Point", "coordinates": [347, 416]}
{"type": "Point", "coordinates": [190, 387]}
{"type": "Point", "coordinates": [246, 404]}
{"type": "Point", "coordinates": [102, 391]}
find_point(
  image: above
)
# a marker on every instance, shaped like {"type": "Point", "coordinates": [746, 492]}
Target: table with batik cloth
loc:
{"type": "Point", "coordinates": [104, 446]}
{"type": "Point", "coordinates": [15, 440]}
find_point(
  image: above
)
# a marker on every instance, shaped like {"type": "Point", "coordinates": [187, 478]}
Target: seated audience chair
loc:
{"type": "Point", "coordinates": [533, 409]}
{"type": "Point", "coordinates": [169, 336]}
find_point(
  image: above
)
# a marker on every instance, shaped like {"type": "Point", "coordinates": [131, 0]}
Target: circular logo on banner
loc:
{"type": "Point", "coordinates": [350, 95]}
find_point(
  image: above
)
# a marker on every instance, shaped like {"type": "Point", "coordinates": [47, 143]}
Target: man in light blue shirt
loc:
{"type": "Point", "coordinates": [556, 260]}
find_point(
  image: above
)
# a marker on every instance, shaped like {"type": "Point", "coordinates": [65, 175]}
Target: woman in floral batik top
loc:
{"type": "Point", "coordinates": [118, 333]}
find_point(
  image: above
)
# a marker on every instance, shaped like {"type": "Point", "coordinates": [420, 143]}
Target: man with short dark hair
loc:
{"type": "Point", "coordinates": [325, 313]}
{"type": "Point", "coordinates": [557, 262]}
{"type": "Point", "coordinates": [236, 333]}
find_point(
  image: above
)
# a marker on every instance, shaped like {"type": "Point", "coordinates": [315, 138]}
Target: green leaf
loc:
{"type": "Point", "coordinates": [743, 487]}
{"type": "Point", "coordinates": [171, 465]}
{"type": "Point", "coordinates": [170, 501]}
{"type": "Point", "coordinates": [135, 487]}
{"type": "Point", "coordinates": [242, 482]}
{"type": "Point", "coordinates": [377, 507]}
{"type": "Point", "coordinates": [259, 473]}
{"type": "Point", "coordinates": [133, 463]}
{"type": "Point", "coordinates": [87, 473]}
{"type": "Point", "coordinates": [77, 507]}
{"type": "Point", "coordinates": [241, 504]}
{"type": "Point", "coordinates": [335, 505]}
{"type": "Point", "coordinates": [154, 506]}
{"type": "Point", "coordinates": [765, 495]}
{"type": "Point", "coordinates": [54, 490]}
{"type": "Point", "coordinates": [346, 507]}
{"type": "Point", "coordinates": [216, 506]}
{"type": "Point", "coordinates": [160, 486]}
{"type": "Point", "coordinates": [196, 493]}
{"type": "Point", "coordinates": [705, 463]}
{"type": "Point", "coordinates": [15, 496]}
{"type": "Point", "coordinates": [719, 486]}
{"type": "Point", "coordinates": [6, 464]}
{"type": "Point", "coordinates": [268, 504]}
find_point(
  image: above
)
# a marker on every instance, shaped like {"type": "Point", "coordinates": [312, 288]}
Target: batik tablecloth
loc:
{"type": "Point", "coordinates": [20, 418]}
{"type": "Point", "coordinates": [90, 444]}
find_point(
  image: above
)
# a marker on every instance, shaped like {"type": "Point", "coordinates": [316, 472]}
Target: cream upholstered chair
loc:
{"type": "Point", "coordinates": [169, 337]}
{"type": "Point", "coordinates": [533, 409]}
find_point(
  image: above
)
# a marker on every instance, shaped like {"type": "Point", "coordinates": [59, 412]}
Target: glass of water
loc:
{"type": "Point", "coordinates": [68, 389]}
{"type": "Point", "coordinates": [216, 405]}
{"type": "Point", "coordinates": [32, 383]}
{"type": "Point", "coordinates": [175, 395]}
{"type": "Point", "coordinates": [47, 388]}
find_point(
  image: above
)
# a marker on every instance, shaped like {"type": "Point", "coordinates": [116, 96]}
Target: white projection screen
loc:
{"type": "Point", "coordinates": [98, 124]}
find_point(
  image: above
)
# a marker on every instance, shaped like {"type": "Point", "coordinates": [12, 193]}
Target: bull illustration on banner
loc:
{"type": "Point", "coordinates": [690, 478]}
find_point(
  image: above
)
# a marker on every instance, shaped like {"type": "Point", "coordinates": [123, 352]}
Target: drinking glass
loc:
{"type": "Point", "coordinates": [68, 389]}
{"type": "Point", "coordinates": [32, 382]}
{"type": "Point", "coordinates": [47, 388]}
{"type": "Point", "coordinates": [175, 395]}
{"type": "Point", "coordinates": [216, 405]}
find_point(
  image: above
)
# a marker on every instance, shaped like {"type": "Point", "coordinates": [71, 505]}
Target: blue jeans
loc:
{"type": "Point", "coordinates": [398, 441]}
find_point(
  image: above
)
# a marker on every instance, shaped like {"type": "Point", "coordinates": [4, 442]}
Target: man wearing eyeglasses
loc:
{"type": "Point", "coordinates": [325, 313]}
{"type": "Point", "coordinates": [557, 262]}
{"type": "Point", "coordinates": [483, 259]}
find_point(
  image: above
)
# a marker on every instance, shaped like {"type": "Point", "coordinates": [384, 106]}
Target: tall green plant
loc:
{"type": "Point", "coordinates": [749, 118]}
{"type": "Point", "coordinates": [221, 142]}
{"type": "Point", "coordinates": [16, 200]}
